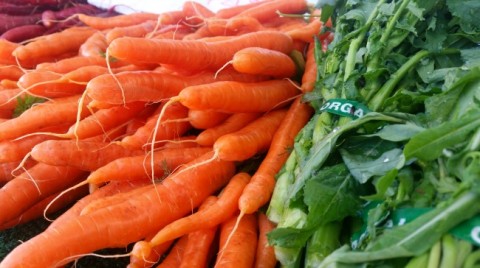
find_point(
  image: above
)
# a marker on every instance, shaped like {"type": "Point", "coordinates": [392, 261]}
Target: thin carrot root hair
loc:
{"type": "Point", "coordinates": [234, 229]}
{"type": "Point", "coordinates": [213, 158]}
{"type": "Point", "coordinates": [171, 141]}
{"type": "Point", "coordinates": [84, 182]}
{"type": "Point", "coordinates": [76, 257]}
{"type": "Point", "coordinates": [222, 68]}
{"type": "Point", "coordinates": [110, 71]}
{"type": "Point", "coordinates": [21, 165]}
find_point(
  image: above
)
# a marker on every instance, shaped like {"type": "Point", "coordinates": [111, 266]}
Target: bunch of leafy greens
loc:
{"type": "Point", "coordinates": [416, 65]}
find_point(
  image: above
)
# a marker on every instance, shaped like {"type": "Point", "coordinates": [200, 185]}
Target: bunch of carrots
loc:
{"type": "Point", "coordinates": [147, 124]}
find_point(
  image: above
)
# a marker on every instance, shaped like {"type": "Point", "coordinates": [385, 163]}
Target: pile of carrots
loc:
{"type": "Point", "coordinates": [165, 132]}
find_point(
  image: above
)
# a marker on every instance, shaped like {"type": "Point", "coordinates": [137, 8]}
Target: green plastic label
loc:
{"type": "Point", "coordinates": [344, 107]}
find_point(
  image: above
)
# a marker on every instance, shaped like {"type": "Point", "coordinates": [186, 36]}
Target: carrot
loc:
{"type": "Point", "coordinates": [270, 9]}
{"type": "Point", "coordinates": [84, 155]}
{"type": "Point", "coordinates": [168, 131]}
{"type": "Point", "coordinates": [104, 120]}
{"type": "Point", "coordinates": [186, 141]}
{"type": "Point", "coordinates": [195, 13]}
{"type": "Point", "coordinates": [309, 76]}
{"type": "Point", "coordinates": [238, 242]}
{"type": "Point", "coordinates": [12, 21]}
{"type": "Point", "coordinates": [139, 167]}
{"type": "Point", "coordinates": [124, 223]}
{"type": "Point", "coordinates": [234, 97]}
{"type": "Point", "coordinates": [256, 60]}
{"type": "Point", "coordinates": [9, 98]}
{"type": "Point", "coordinates": [54, 112]}
{"type": "Point", "coordinates": [229, 12]}
{"type": "Point", "coordinates": [252, 139]}
{"type": "Point", "coordinates": [203, 119]}
{"type": "Point", "coordinates": [111, 189]}
{"type": "Point", "coordinates": [6, 50]}
{"type": "Point", "coordinates": [73, 63]}
{"type": "Point", "coordinates": [213, 215]}
{"type": "Point", "coordinates": [200, 242]}
{"type": "Point", "coordinates": [176, 254]}
{"type": "Point", "coordinates": [47, 84]}
{"type": "Point", "coordinates": [202, 55]}
{"type": "Point", "coordinates": [233, 123]}
{"type": "Point", "coordinates": [152, 259]}
{"type": "Point", "coordinates": [265, 255]}
{"type": "Point", "coordinates": [233, 26]}
{"type": "Point", "coordinates": [9, 170]}
{"type": "Point", "coordinates": [15, 150]}
{"type": "Point", "coordinates": [259, 190]}
{"type": "Point", "coordinates": [33, 185]}
{"type": "Point", "coordinates": [38, 210]}
{"type": "Point", "coordinates": [143, 29]}
{"type": "Point", "coordinates": [103, 23]}
{"type": "Point", "coordinates": [306, 33]}
{"type": "Point", "coordinates": [68, 40]}
{"type": "Point", "coordinates": [96, 45]}
{"type": "Point", "coordinates": [11, 72]}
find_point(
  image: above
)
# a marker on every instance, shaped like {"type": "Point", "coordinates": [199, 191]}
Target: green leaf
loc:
{"type": "Point", "coordinates": [24, 103]}
{"type": "Point", "coordinates": [366, 157]}
{"type": "Point", "coordinates": [429, 144]}
{"type": "Point", "coordinates": [398, 132]}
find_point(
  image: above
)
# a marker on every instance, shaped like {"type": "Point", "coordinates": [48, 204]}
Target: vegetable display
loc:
{"type": "Point", "coordinates": [386, 173]}
{"type": "Point", "coordinates": [141, 134]}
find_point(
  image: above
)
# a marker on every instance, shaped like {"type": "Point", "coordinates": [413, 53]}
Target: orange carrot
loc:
{"type": "Point", "coordinates": [85, 155]}
{"type": "Point", "coordinates": [137, 30]}
{"type": "Point", "coordinates": [6, 49]}
{"type": "Point", "coordinates": [186, 141]}
{"type": "Point", "coordinates": [9, 170]}
{"type": "Point", "coordinates": [203, 119]}
{"type": "Point", "coordinates": [202, 55]}
{"type": "Point", "coordinates": [307, 32]}
{"type": "Point", "coordinates": [68, 40]}
{"type": "Point", "coordinates": [309, 76]}
{"type": "Point", "coordinates": [259, 190]}
{"type": "Point", "coordinates": [256, 60]}
{"type": "Point", "coordinates": [96, 45]}
{"type": "Point", "coordinates": [229, 12]}
{"type": "Point", "coordinates": [103, 23]}
{"type": "Point", "coordinates": [195, 13]}
{"type": "Point", "coordinates": [139, 167]}
{"type": "Point", "coordinates": [269, 9]}
{"type": "Point", "coordinates": [238, 242]}
{"type": "Point", "coordinates": [11, 72]}
{"type": "Point", "coordinates": [33, 185]}
{"type": "Point", "coordinates": [54, 112]}
{"type": "Point", "coordinates": [73, 63]}
{"type": "Point", "coordinates": [233, 26]}
{"type": "Point", "coordinates": [15, 150]}
{"type": "Point", "coordinates": [152, 259]}
{"type": "Point", "coordinates": [168, 130]}
{"type": "Point", "coordinates": [234, 97]}
{"type": "Point", "coordinates": [104, 120]}
{"type": "Point", "coordinates": [176, 254]}
{"type": "Point", "coordinates": [8, 98]}
{"type": "Point", "coordinates": [38, 210]}
{"type": "Point", "coordinates": [224, 208]}
{"type": "Point", "coordinates": [124, 223]}
{"type": "Point", "coordinates": [111, 189]}
{"type": "Point", "coordinates": [233, 123]}
{"type": "Point", "coordinates": [47, 84]}
{"type": "Point", "coordinates": [252, 139]}
{"type": "Point", "coordinates": [200, 243]}
{"type": "Point", "coordinates": [265, 255]}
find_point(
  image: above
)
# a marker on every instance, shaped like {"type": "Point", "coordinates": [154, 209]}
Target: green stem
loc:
{"type": "Point", "coordinates": [379, 98]}
{"type": "Point", "coordinates": [355, 43]}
